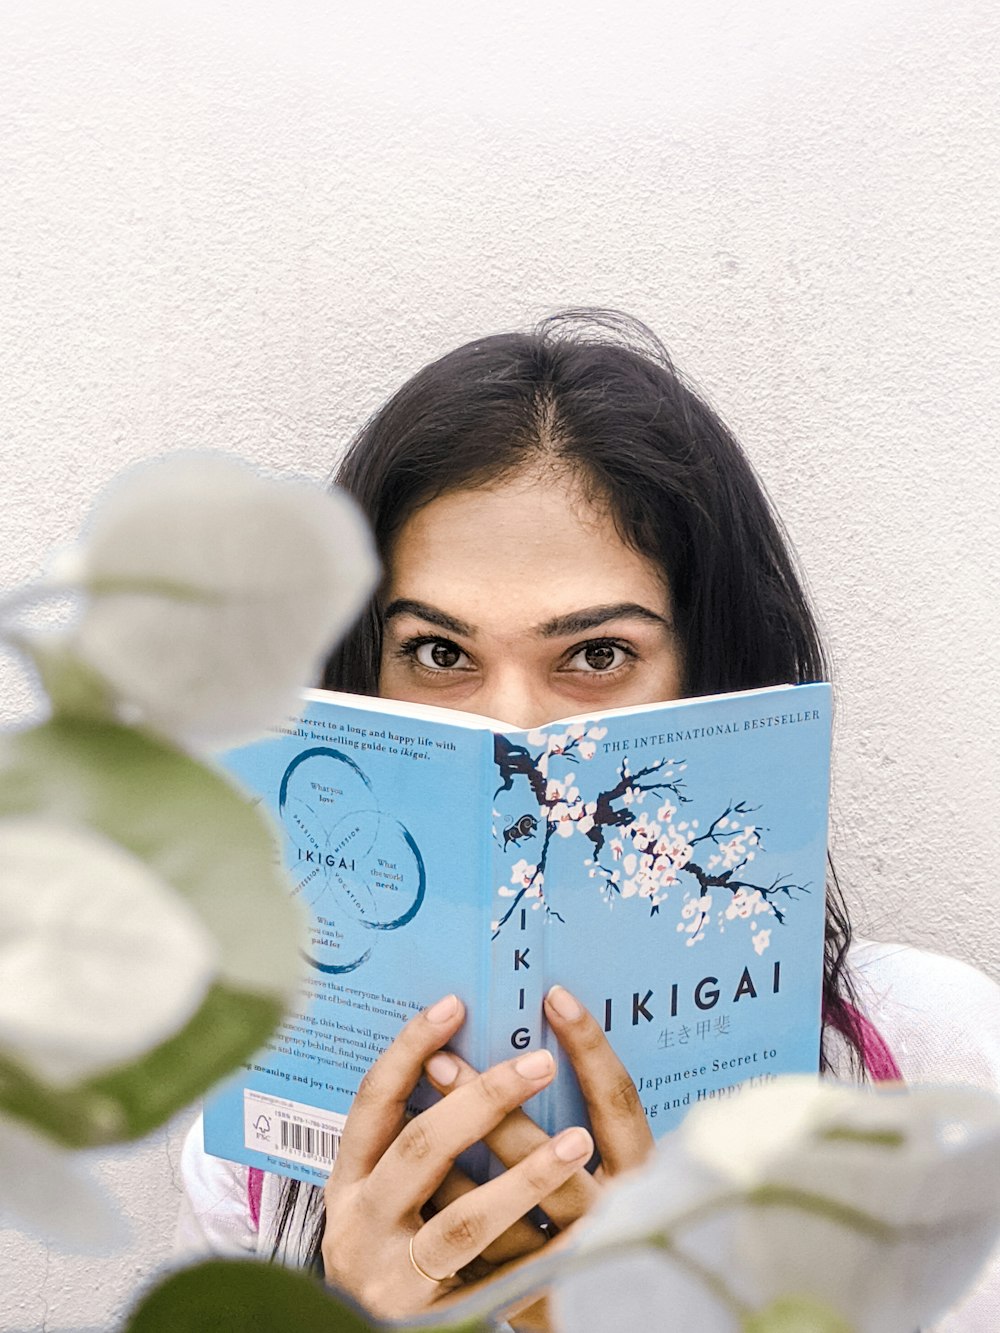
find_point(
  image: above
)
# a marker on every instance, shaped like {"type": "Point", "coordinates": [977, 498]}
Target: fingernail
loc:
{"type": "Point", "coordinates": [539, 1064]}
{"type": "Point", "coordinates": [573, 1145]}
{"type": "Point", "coordinates": [442, 1069]}
{"type": "Point", "coordinates": [443, 1010]}
{"type": "Point", "coordinates": [563, 1003]}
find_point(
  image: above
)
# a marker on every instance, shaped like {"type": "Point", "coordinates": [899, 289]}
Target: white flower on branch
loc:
{"type": "Point", "coordinates": [761, 940]}
{"type": "Point", "coordinates": [100, 959]}
{"type": "Point", "coordinates": [878, 1207]}
{"type": "Point", "coordinates": [213, 593]}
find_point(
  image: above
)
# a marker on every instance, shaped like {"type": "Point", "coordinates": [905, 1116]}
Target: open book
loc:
{"type": "Point", "coordinates": [665, 863]}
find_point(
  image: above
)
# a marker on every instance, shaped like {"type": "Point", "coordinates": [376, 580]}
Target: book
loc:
{"type": "Point", "coordinates": [665, 863]}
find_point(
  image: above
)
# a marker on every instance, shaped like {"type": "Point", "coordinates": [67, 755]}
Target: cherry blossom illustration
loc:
{"type": "Point", "coordinates": [640, 845]}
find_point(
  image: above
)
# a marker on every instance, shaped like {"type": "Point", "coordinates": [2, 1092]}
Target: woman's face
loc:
{"type": "Point", "coordinates": [521, 602]}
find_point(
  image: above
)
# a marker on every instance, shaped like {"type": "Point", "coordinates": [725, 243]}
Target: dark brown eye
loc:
{"type": "Point", "coordinates": [444, 654]}
{"type": "Point", "coordinates": [599, 656]}
{"type": "Point", "coordinates": [437, 654]}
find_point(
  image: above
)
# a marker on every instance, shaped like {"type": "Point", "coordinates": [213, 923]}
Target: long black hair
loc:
{"type": "Point", "coordinates": [595, 394]}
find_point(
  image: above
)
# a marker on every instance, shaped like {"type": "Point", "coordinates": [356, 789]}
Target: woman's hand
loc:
{"type": "Point", "coordinates": [622, 1133]}
{"type": "Point", "coordinates": [376, 1245]}
{"type": "Point", "coordinates": [623, 1136]}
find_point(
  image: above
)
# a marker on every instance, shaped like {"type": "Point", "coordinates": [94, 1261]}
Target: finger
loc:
{"type": "Point", "coordinates": [379, 1107]}
{"type": "Point", "coordinates": [623, 1136]}
{"type": "Point", "coordinates": [425, 1149]}
{"type": "Point", "coordinates": [522, 1237]}
{"type": "Point", "coordinates": [514, 1138]}
{"type": "Point", "coordinates": [466, 1227]}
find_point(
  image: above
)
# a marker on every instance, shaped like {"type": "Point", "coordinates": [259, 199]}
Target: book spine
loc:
{"type": "Point", "coordinates": [517, 929]}
{"type": "Point", "coordinates": [485, 891]}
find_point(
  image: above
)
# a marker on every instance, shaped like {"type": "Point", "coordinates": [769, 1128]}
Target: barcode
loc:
{"type": "Point", "coordinates": [321, 1145]}
{"type": "Point", "coordinates": [309, 1135]}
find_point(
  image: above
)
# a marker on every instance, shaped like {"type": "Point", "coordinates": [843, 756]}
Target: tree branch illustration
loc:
{"type": "Point", "coordinates": [613, 810]}
{"type": "Point", "coordinates": [517, 761]}
{"type": "Point", "coordinates": [726, 880]}
{"type": "Point", "coordinates": [606, 817]}
{"type": "Point", "coordinates": [539, 873]}
{"type": "Point", "coordinates": [716, 834]}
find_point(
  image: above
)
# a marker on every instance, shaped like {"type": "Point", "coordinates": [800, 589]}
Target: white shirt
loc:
{"type": "Point", "coordinates": [939, 1017]}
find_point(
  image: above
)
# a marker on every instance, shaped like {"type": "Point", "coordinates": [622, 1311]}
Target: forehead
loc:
{"type": "Point", "coordinates": [519, 553]}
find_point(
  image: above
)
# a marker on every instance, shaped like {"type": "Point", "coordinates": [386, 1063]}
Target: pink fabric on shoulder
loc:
{"type": "Point", "coordinates": [879, 1062]}
{"type": "Point", "coordinates": [255, 1187]}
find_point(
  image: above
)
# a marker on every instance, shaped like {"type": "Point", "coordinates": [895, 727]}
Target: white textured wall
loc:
{"type": "Point", "coordinates": [241, 224]}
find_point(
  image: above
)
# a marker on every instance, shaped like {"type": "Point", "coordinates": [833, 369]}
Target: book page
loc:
{"type": "Point", "coordinates": [381, 822]}
{"type": "Point", "coordinates": [668, 867]}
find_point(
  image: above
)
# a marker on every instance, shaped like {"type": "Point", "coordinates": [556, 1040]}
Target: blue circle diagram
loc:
{"type": "Point", "coordinates": [357, 869]}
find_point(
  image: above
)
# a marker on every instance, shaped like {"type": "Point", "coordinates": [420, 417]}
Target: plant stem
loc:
{"type": "Point", "coordinates": [488, 1302]}
{"type": "Point", "coordinates": [45, 588]}
{"type": "Point", "coordinates": [843, 1214]}
{"type": "Point", "coordinates": [151, 586]}
{"type": "Point", "coordinates": [707, 1276]}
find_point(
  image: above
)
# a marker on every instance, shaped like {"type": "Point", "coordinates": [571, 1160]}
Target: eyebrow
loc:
{"type": "Point", "coordinates": [574, 622]}
{"type": "Point", "coordinates": [406, 606]}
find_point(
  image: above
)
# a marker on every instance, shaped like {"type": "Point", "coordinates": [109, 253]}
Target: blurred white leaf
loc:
{"type": "Point", "coordinates": [875, 1206]}
{"type": "Point", "coordinates": [925, 1162]}
{"type": "Point", "coordinates": [640, 1291]}
{"type": "Point", "coordinates": [189, 823]}
{"type": "Point", "coordinates": [739, 1139]}
{"type": "Point", "coordinates": [646, 1201]}
{"type": "Point", "coordinates": [198, 838]}
{"type": "Point", "coordinates": [214, 593]}
{"type": "Point", "coordinates": [100, 959]}
{"type": "Point", "coordinates": [46, 1191]}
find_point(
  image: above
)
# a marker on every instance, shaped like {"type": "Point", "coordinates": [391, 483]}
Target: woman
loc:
{"type": "Point", "coordinates": [564, 524]}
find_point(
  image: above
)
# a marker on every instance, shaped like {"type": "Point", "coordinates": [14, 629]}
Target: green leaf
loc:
{"type": "Point", "coordinates": [132, 1100]}
{"type": "Point", "coordinates": [193, 827]}
{"type": "Point", "coordinates": [74, 689]}
{"type": "Point", "coordinates": [205, 839]}
{"type": "Point", "coordinates": [796, 1314]}
{"type": "Point", "coordinates": [245, 1297]}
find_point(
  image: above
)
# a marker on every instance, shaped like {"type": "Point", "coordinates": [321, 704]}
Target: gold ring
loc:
{"type": "Point", "coordinates": [435, 1280]}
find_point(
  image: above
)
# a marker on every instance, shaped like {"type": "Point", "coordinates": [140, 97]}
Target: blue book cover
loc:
{"type": "Point", "coordinates": [664, 863]}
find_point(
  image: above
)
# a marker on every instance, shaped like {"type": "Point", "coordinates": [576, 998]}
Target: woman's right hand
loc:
{"type": "Point", "coordinates": [376, 1245]}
